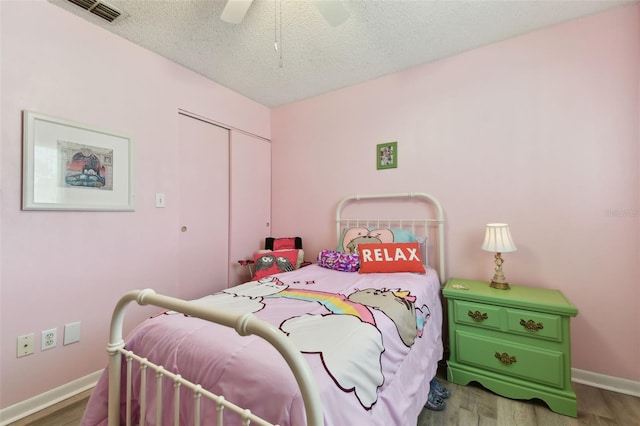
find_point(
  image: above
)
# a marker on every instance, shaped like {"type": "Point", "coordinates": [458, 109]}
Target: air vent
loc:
{"type": "Point", "coordinates": [105, 11]}
{"type": "Point", "coordinates": [98, 8]}
{"type": "Point", "coordinates": [85, 4]}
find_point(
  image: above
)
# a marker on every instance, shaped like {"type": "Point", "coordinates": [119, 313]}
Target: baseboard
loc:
{"type": "Point", "coordinates": [597, 380]}
{"type": "Point", "coordinates": [40, 402]}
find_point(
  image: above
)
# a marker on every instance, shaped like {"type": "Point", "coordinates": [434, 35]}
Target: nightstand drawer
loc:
{"type": "Point", "coordinates": [477, 314]}
{"type": "Point", "coordinates": [526, 362]}
{"type": "Point", "coordinates": [535, 324]}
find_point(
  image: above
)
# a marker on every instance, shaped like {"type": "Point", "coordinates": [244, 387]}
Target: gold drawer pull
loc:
{"type": "Point", "coordinates": [505, 358]}
{"type": "Point", "coordinates": [531, 325]}
{"type": "Point", "coordinates": [477, 316]}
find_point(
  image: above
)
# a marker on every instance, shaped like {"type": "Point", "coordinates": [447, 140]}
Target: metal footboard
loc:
{"type": "Point", "coordinates": [244, 324]}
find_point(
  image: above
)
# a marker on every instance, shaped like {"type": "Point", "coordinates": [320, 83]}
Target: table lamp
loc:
{"type": "Point", "coordinates": [497, 239]}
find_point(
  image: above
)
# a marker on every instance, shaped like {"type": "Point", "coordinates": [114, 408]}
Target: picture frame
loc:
{"type": "Point", "coordinates": [71, 166]}
{"type": "Point", "coordinates": [387, 155]}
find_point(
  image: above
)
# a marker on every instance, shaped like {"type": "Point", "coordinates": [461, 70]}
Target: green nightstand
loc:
{"type": "Point", "coordinates": [514, 342]}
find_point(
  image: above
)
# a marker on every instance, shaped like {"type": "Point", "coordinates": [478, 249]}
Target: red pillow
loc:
{"type": "Point", "coordinates": [271, 262]}
{"type": "Point", "coordinates": [390, 257]}
{"type": "Point", "coordinates": [284, 243]}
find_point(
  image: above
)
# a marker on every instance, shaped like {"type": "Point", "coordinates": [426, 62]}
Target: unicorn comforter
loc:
{"type": "Point", "coordinates": [372, 341]}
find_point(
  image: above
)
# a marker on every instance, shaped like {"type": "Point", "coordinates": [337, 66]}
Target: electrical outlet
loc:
{"type": "Point", "coordinates": [25, 345]}
{"type": "Point", "coordinates": [49, 339]}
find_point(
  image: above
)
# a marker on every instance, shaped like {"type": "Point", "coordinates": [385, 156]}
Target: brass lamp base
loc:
{"type": "Point", "coordinates": [499, 282]}
{"type": "Point", "coordinates": [499, 286]}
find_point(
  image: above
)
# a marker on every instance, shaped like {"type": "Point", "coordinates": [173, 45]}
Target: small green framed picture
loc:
{"type": "Point", "coordinates": [387, 155]}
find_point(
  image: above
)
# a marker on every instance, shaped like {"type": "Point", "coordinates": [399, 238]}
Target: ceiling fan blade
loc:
{"type": "Point", "coordinates": [333, 11]}
{"type": "Point", "coordinates": [235, 10]}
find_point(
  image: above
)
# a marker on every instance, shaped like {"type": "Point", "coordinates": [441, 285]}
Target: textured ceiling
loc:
{"type": "Point", "coordinates": [379, 37]}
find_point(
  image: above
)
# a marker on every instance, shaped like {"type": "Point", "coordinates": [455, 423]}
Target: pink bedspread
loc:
{"type": "Point", "coordinates": [372, 341]}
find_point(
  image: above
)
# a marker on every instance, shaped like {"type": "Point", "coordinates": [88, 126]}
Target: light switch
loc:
{"type": "Point", "coordinates": [160, 200]}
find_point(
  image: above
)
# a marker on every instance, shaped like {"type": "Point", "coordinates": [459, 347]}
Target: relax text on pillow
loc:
{"type": "Point", "coordinates": [385, 254]}
{"type": "Point", "coordinates": [390, 257]}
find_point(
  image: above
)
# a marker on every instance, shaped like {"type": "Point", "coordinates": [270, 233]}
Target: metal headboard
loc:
{"type": "Point", "coordinates": [410, 223]}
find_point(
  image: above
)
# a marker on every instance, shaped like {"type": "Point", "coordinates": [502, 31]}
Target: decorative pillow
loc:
{"type": "Point", "coordinates": [390, 257]}
{"type": "Point", "coordinates": [351, 237]}
{"type": "Point", "coordinates": [290, 243]}
{"type": "Point", "coordinates": [299, 260]}
{"type": "Point", "coordinates": [274, 262]}
{"type": "Point", "coordinates": [339, 261]}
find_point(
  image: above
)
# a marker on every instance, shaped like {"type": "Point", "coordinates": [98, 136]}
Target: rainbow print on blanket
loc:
{"type": "Point", "coordinates": [336, 303]}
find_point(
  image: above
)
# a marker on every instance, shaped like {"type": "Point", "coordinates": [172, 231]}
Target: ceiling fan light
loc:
{"type": "Point", "coordinates": [235, 10]}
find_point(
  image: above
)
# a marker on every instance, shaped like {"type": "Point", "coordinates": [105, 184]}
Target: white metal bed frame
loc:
{"type": "Point", "coordinates": [244, 324]}
{"type": "Point", "coordinates": [411, 224]}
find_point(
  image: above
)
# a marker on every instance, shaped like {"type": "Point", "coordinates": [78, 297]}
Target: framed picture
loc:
{"type": "Point", "coordinates": [69, 166]}
{"type": "Point", "coordinates": [387, 155]}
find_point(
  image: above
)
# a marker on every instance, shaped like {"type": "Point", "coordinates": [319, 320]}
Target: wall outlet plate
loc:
{"type": "Point", "coordinates": [25, 345]}
{"type": "Point", "coordinates": [49, 339]}
{"type": "Point", "coordinates": [71, 333]}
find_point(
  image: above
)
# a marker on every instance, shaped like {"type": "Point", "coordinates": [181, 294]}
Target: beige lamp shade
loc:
{"type": "Point", "coordinates": [497, 239]}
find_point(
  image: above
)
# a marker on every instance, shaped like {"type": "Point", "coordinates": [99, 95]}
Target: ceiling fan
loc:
{"type": "Point", "coordinates": [333, 11]}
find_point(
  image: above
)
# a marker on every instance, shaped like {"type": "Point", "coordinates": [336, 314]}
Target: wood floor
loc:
{"type": "Point", "coordinates": [468, 405]}
{"type": "Point", "coordinates": [474, 405]}
{"type": "Point", "coordinates": [66, 413]}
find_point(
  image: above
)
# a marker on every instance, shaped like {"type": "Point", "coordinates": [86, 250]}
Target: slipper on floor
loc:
{"type": "Point", "coordinates": [439, 390]}
{"type": "Point", "coordinates": [435, 403]}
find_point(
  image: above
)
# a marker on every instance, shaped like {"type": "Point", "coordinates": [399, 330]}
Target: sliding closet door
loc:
{"type": "Point", "coordinates": [204, 207]}
{"type": "Point", "coordinates": [250, 200]}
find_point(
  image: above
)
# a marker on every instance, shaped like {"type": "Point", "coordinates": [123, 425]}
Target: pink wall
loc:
{"type": "Point", "coordinates": [540, 131]}
{"type": "Point", "coordinates": [57, 64]}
